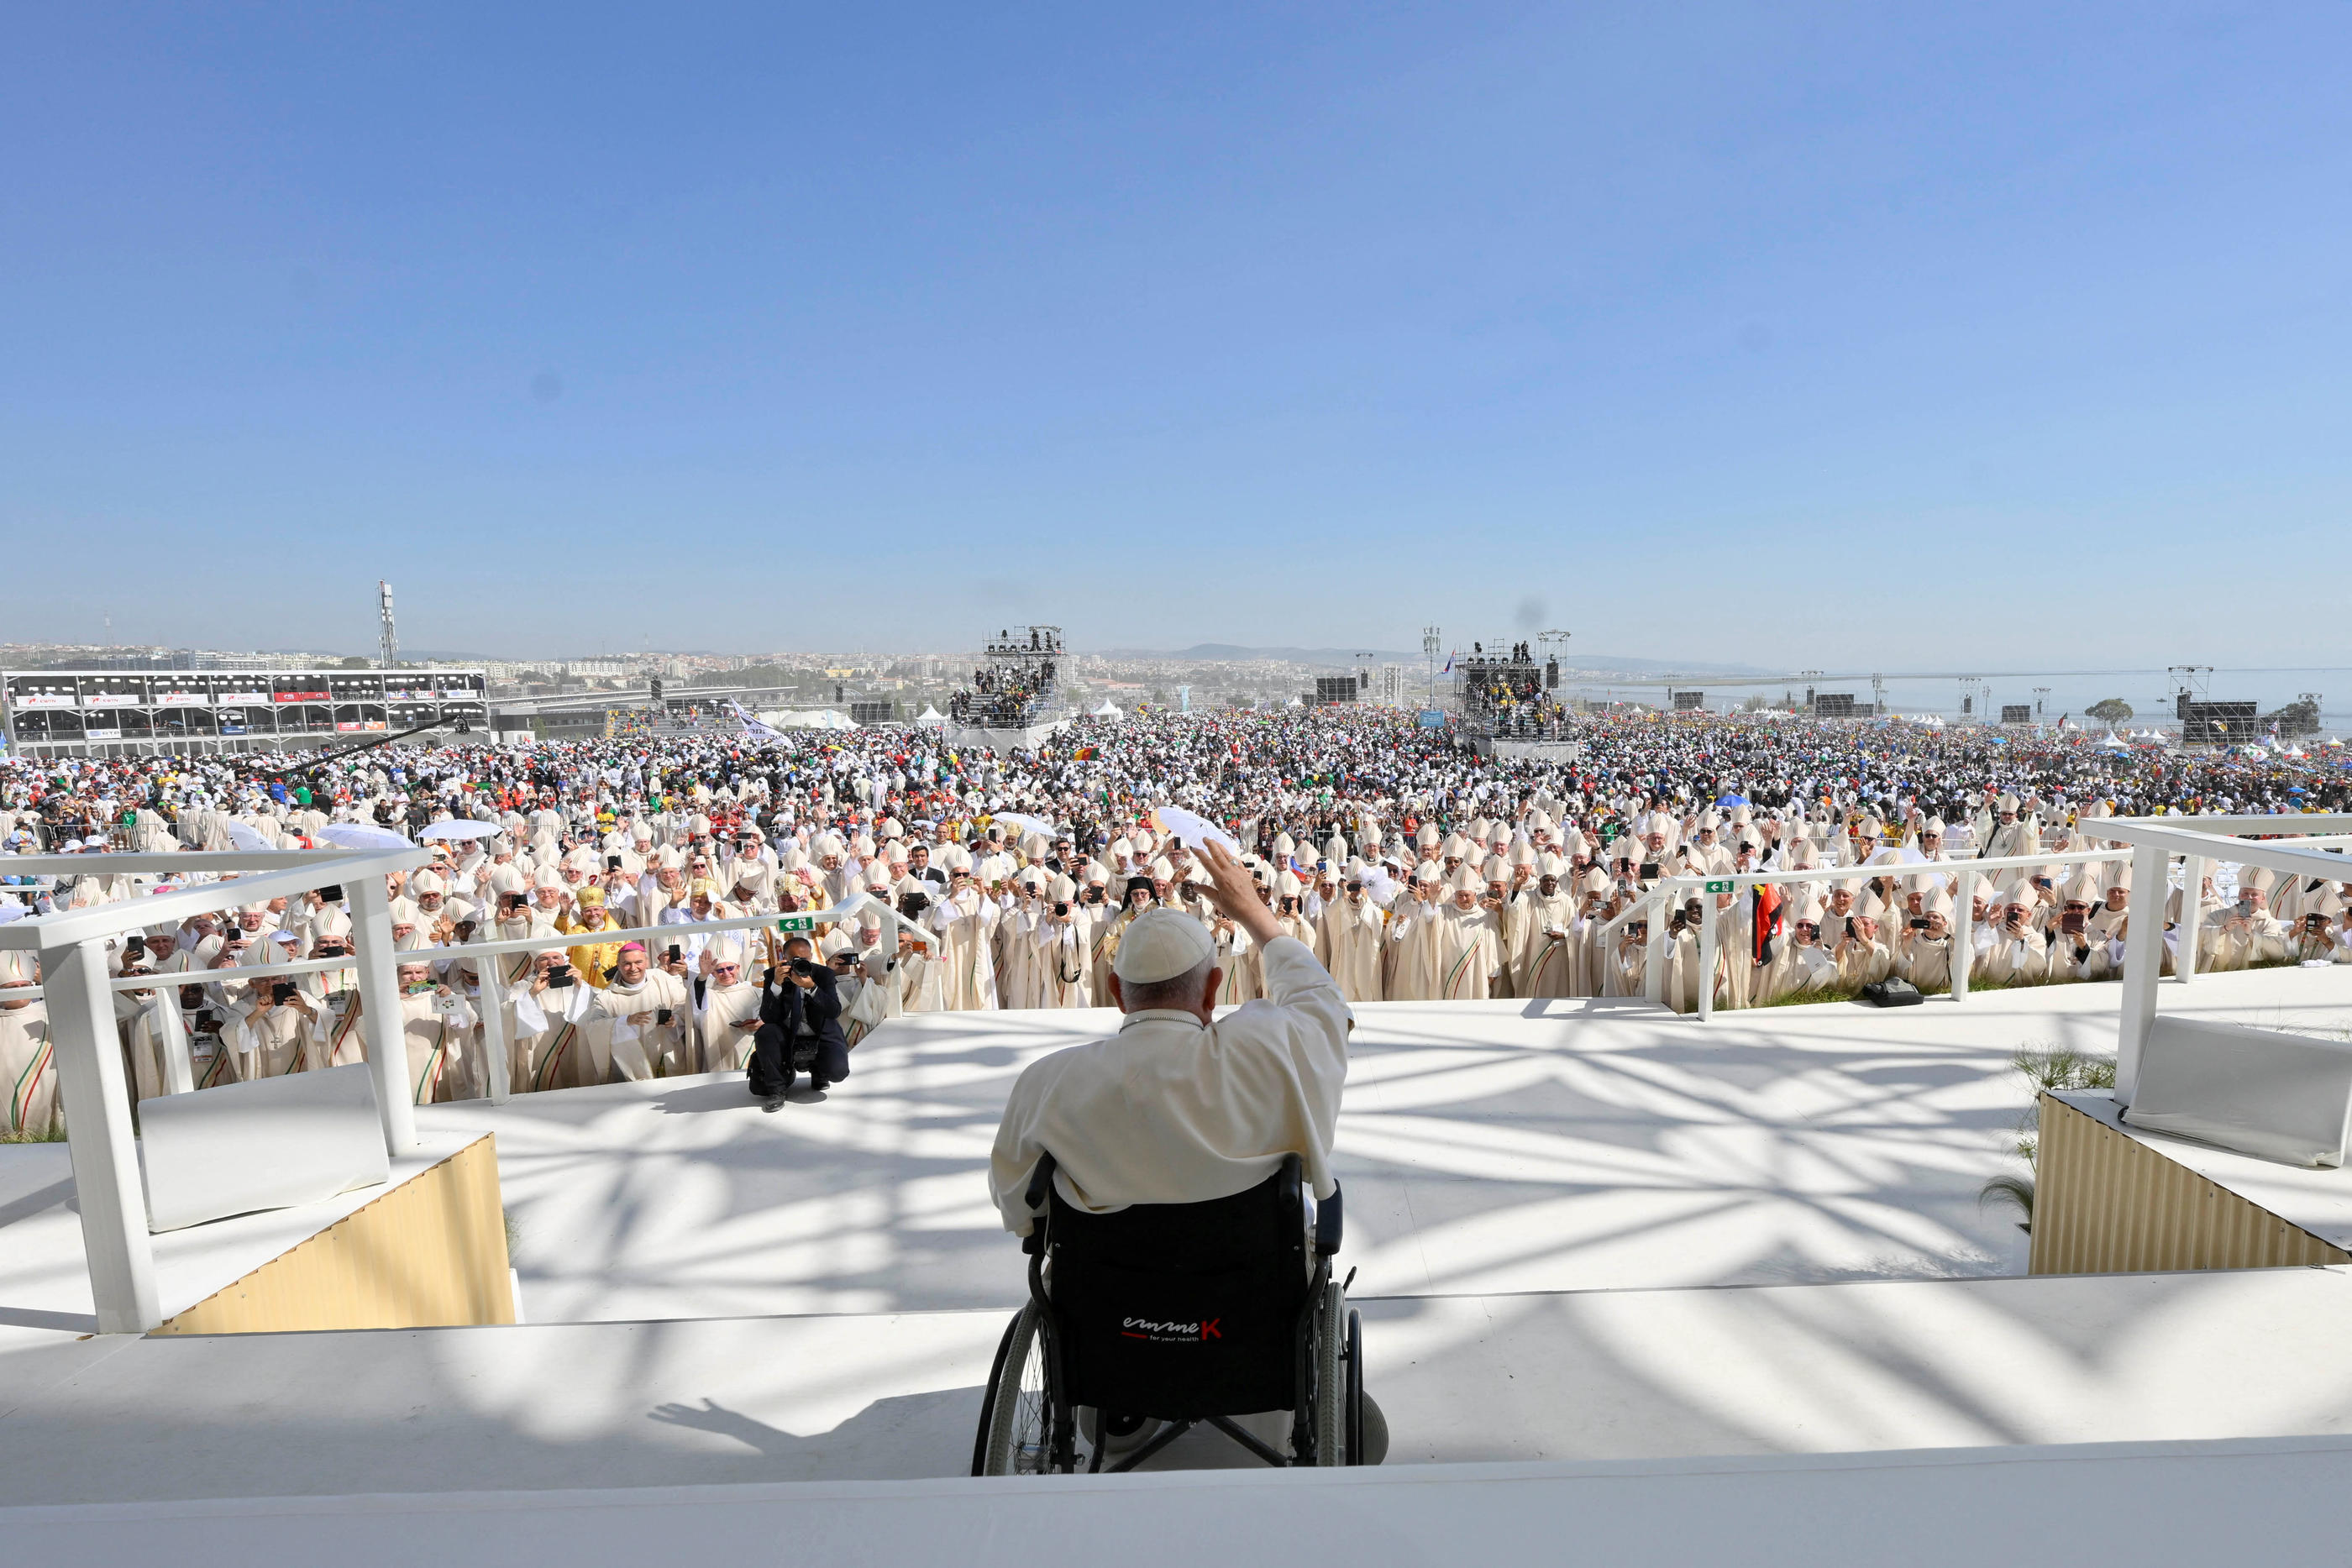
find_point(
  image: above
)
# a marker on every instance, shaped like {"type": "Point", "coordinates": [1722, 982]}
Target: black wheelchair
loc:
{"type": "Point", "coordinates": [1178, 1314]}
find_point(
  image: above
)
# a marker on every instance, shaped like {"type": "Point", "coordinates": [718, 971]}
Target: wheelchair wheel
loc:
{"type": "Point", "coordinates": [1355, 1405]}
{"type": "Point", "coordinates": [1331, 1378]}
{"type": "Point", "coordinates": [1017, 1423]}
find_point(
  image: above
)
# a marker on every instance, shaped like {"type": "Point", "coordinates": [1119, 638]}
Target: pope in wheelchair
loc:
{"type": "Point", "coordinates": [1173, 1188]}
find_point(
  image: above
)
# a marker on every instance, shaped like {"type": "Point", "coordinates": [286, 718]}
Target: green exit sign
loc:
{"type": "Point", "coordinates": [808, 921]}
{"type": "Point", "coordinates": [1724, 886]}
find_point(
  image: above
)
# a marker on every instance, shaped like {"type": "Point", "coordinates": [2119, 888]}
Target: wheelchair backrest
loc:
{"type": "Point", "coordinates": [1185, 1309]}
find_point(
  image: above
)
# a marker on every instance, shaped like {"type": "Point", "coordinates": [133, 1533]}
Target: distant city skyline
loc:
{"type": "Point", "coordinates": [1728, 334]}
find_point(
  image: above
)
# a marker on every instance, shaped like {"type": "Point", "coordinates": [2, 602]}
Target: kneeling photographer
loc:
{"type": "Point", "coordinates": [800, 1027]}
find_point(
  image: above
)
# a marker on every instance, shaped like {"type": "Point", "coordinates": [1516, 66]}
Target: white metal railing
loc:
{"type": "Point", "coordinates": [2199, 841]}
{"type": "Point", "coordinates": [1670, 890]}
{"type": "Point", "coordinates": [73, 950]}
{"type": "Point", "coordinates": [179, 1061]}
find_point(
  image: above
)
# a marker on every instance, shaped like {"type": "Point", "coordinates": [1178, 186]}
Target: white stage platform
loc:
{"type": "Point", "coordinates": [1544, 1203]}
{"type": "Point", "coordinates": [1603, 1375]}
{"type": "Point", "coordinates": [2196, 1504]}
{"type": "Point", "coordinates": [2318, 1198]}
{"type": "Point", "coordinates": [1486, 1148]}
{"type": "Point", "coordinates": [47, 1316]}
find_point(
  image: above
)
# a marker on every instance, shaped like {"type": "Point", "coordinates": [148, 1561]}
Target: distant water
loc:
{"type": "Point", "coordinates": [2147, 691]}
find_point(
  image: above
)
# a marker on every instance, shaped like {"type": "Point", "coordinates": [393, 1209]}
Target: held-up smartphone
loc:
{"type": "Point", "coordinates": [561, 977]}
{"type": "Point", "coordinates": [1637, 928]}
{"type": "Point", "coordinates": [208, 1017]}
{"type": "Point", "coordinates": [514, 900]}
{"type": "Point", "coordinates": [611, 862]}
{"type": "Point", "coordinates": [1919, 922]}
{"type": "Point", "coordinates": [2070, 921]}
{"type": "Point", "coordinates": [673, 954]}
{"type": "Point", "coordinates": [282, 993]}
{"type": "Point", "coordinates": [331, 895]}
{"type": "Point", "coordinates": [1649, 871]}
{"type": "Point", "coordinates": [662, 1014]}
{"type": "Point", "coordinates": [134, 946]}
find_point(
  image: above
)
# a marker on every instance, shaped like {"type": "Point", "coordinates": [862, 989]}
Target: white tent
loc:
{"type": "Point", "coordinates": [932, 715]}
{"type": "Point", "coordinates": [821, 718]}
{"type": "Point", "coordinates": [1108, 710]}
{"type": "Point", "coordinates": [2118, 742]}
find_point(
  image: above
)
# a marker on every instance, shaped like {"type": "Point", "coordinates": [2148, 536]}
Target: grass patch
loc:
{"type": "Point", "coordinates": [2010, 1192]}
{"type": "Point", "coordinates": [2046, 1068]}
{"type": "Point", "coordinates": [1976, 988]}
{"type": "Point", "coordinates": [53, 1134]}
{"type": "Point", "coordinates": [2049, 1067]}
{"type": "Point", "coordinates": [1807, 999]}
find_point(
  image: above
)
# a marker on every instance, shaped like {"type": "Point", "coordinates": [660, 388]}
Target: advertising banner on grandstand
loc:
{"type": "Point", "coordinates": [42, 691]}
{"type": "Point", "coordinates": [1432, 718]}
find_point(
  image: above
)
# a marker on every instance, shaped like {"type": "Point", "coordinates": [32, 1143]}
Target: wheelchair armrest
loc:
{"type": "Point", "coordinates": [1329, 1224]}
{"type": "Point", "coordinates": [1041, 1184]}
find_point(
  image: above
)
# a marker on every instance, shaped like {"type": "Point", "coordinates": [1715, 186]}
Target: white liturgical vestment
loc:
{"type": "Point", "coordinates": [1170, 1109]}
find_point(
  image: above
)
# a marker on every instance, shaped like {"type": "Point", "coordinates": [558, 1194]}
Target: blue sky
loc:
{"type": "Point", "coordinates": [1867, 337]}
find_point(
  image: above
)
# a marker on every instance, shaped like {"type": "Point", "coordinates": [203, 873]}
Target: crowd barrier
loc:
{"type": "Point", "coordinates": [1670, 893]}
{"type": "Point", "coordinates": [72, 948]}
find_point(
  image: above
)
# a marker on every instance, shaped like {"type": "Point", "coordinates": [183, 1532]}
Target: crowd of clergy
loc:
{"type": "Point", "coordinates": [936, 881]}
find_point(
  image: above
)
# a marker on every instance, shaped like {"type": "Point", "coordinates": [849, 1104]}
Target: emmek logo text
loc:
{"type": "Point", "coordinates": [1148, 1328]}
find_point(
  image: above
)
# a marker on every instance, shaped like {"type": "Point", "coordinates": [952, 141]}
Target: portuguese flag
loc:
{"type": "Point", "coordinates": [1768, 902]}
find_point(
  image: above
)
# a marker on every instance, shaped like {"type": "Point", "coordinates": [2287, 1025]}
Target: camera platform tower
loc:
{"type": "Point", "coordinates": [1015, 699]}
{"type": "Point", "coordinates": [1508, 702]}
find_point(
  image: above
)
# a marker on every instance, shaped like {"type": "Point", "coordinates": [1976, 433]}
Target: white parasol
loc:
{"type": "Point", "coordinates": [1193, 829]}
{"type": "Point", "coordinates": [360, 836]}
{"type": "Point", "coordinates": [457, 828]}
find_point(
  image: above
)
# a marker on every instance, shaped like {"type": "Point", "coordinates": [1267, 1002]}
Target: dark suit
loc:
{"type": "Point", "coordinates": [783, 1008]}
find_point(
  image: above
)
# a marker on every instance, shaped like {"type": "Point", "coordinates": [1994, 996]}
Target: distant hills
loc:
{"type": "Point", "coordinates": [1346, 658]}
